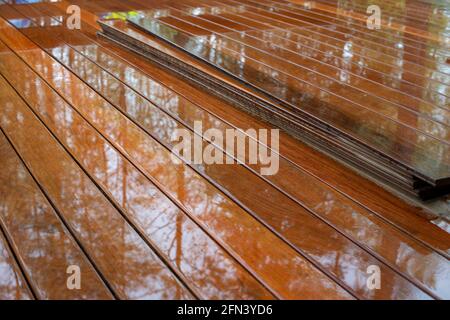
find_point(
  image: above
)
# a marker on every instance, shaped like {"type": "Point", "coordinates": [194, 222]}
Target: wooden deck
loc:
{"type": "Point", "coordinates": [87, 177]}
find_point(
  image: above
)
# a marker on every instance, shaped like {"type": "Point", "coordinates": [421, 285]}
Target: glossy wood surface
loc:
{"type": "Point", "coordinates": [360, 97]}
{"type": "Point", "coordinates": [116, 120]}
{"type": "Point", "coordinates": [118, 29]}
{"type": "Point", "coordinates": [245, 193]}
{"type": "Point", "coordinates": [148, 155]}
{"type": "Point", "coordinates": [354, 25]}
{"type": "Point", "coordinates": [215, 46]}
{"type": "Point", "coordinates": [13, 285]}
{"type": "Point", "coordinates": [383, 40]}
{"type": "Point", "coordinates": [413, 18]}
{"type": "Point", "coordinates": [300, 155]}
{"type": "Point", "coordinates": [164, 225]}
{"type": "Point", "coordinates": [40, 239]}
{"type": "Point", "coordinates": [366, 77]}
{"type": "Point", "coordinates": [140, 111]}
{"type": "Point", "coordinates": [400, 117]}
{"type": "Point", "coordinates": [398, 211]}
{"type": "Point", "coordinates": [130, 266]}
{"type": "Point", "coordinates": [185, 110]}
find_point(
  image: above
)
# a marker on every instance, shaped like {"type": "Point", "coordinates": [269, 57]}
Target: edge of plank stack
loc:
{"type": "Point", "coordinates": [381, 167]}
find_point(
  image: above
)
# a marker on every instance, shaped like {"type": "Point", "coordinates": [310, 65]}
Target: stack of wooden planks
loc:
{"type": "Point", "coordinates": [87, 180]}
{"type": "Point", "coordinates": [377, 100]}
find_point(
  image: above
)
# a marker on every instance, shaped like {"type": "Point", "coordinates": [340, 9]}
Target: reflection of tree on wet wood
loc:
{"type": "Point", "coordinates": [358, 110]}
{"type": "Point", "coordinates": [88, 178]}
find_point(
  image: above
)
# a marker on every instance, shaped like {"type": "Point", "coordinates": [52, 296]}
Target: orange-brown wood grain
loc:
{"type": "Point", "coordinates": [13, 285]}
{"type": "Point", "coordinates": [180, 241]}
{"type": "Point", "coordinates": [349, 115]}
{"type": "Point", "coordinates": [361, 17]}
{"type": "Point", "coordinates": [96, 133]}
{"type": "Point", "coordinates": [130, 267]}
{"type": "Point", "coordinates": [33, 226]}
{"type": "Point", "coordinates": [222, 175]}
{"type": "Point", "coordinates": [284, 264]}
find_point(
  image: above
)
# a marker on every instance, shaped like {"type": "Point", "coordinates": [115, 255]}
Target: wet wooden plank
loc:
{"type": "Point", "coordinates": [413, 48]}
{"type": "Point", "coordinates": [130, 267]}
{"type": "Point", "coordinates": [254, 194]}
{"type": "Point", "coordinates": [177, 238]}
{"type": "Point", "coordinates": [290, 20]}
{"type": "Point", "coordinates": [384, 33]}
{"type": "Point", "coordinates": [13, 285]}
{"type": "Point", "coordinates": [413, 134]}
{"type": "Point", "coordinates": [303, 130]}
{"type": "Point", "coordinates": [426, 84]}
{"type": "Point", "coordinates": [382, 203]}
{"type": "Point", "coordinates": [162, 127]}
{"type": "Point", "coordinates": [407, 216]}
{"type": "Point", "coordinates": [403, 116]}
{"type": "Point", "coordinates": [401, 92]}
{"type": "Point", "coordinates": [284, 266]}
{"type": "Point", "coordinates": [361, 99]}
{"type": "Point", "coordinates": [184, 114]}
{"type": "Point", "coordinates": [393, 210]}
{"type": "Point", "coordinates": [260, 18]}
{"type": "Point", "coordinates": [41, 242]}
{"type": "Point", "coordinates": [406, 75]}
{"type": "Point", "coordinates": [415, 16]}
{"type": "Point", "coordinates": [246, 192]}
{"type": "Point", "coordinates": [414, 114]}
{"type": "Point", "coordinates": [404, 14]}
{"type": "Point", "coordinates": [414, 9]}
{"type": "Point", "coordinates": [366, 55]}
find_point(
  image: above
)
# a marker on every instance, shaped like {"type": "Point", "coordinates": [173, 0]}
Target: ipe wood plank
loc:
{"type": "Point", "coordinates": [357, 32]}
{"type": "Point", "coordinates": [378, 190]}
{"type": "Point", "coordinates": [349, 23]}
{"type": "Point", "coordinates": [183, 244]}
{"type": "Point", "coordinates": [33, 226]}
{"type": "Point", "coordinates": [13, 285]}
{"type": "Point", "coordinates": [187, 112]}
{"type": "Point", "coordinates": [258, 242]}
{"type": "Point", "coordinates": [155, 5]}
{"type": "Point", "coordinates": [395, 19]}
{"type": "Point", "coordinates": [360, 75]}
{"type": "Point", "coordinates": [336, 175]}
{"type": "Point", "coordinates": [129, 266]}
{"type": "Point", "coordinates": [246, 192]}
{"type": "Point", "coordinates": [258, 9]}
{"type": "Point", "coordinates": [236, 97]}
{"type": "Point", "coordinates": [415, 16]}
{"type": "Point", "coordinates": [223, 175]}
{"type": "Point", "coordinates": [369, 57]}
{"type": "Point", "coordinates": [406, 75]}
{"type": "Point", "coordinates": [443, 169]}
{"type": "Point", "coordinates": [411, 9]}
{"type": "Point", "coordinates": [364, 93]}
{"type": "Point", "coordinates": [414, 23]}
{"type": "Point", "coordinates": [254, 194]}
{"type": "Point", "coordinates": [249, 191]}
{"type": "Point", "coordinates": [380, 202]}
{"type": "Point", "coordinates": [401, 116]}
{"type": "Point", "coordinates": [233, 48]}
